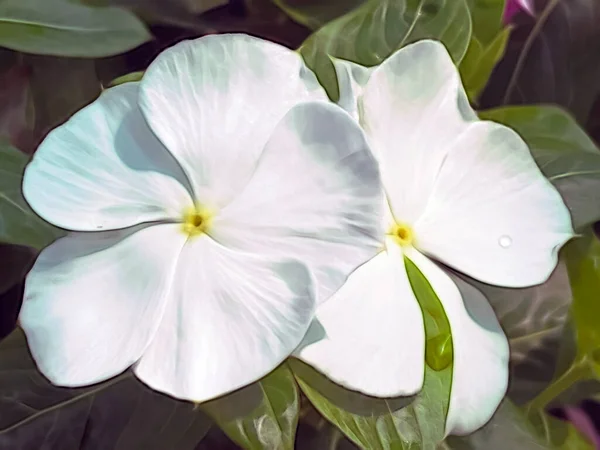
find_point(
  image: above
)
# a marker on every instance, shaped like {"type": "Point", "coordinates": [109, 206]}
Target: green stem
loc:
{"type": "Point", "coordinates": [578, 371]}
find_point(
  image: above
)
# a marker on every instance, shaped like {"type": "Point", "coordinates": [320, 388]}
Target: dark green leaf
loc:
{"type": "Point", "coordinates": [479, 62]}
{"type": "Point", "coordinates": [552, 60]}
{"type": "Point", "coordinates": [399, 423]}
{"type": "Point", "coordinates": [534, 321]}
{"type": "Point", "coordinates": [487, 19]}
{"type": "Point", "coordinates": [563, 151]}
{"type": "Point", "coordinates": [316, 13]}
{"type": "Point", "coordinates": [263, 415]}
{"type": "Point", "coordinates": [373, 31]}
{"type": "Point", "coordinates": [66, 28]}
{"type": "Point", "coordinates": [18, 223]}
{"type": "Point", "coordinates": [119, 414]}
{"type": "Point", "coordinates": [510, 429]}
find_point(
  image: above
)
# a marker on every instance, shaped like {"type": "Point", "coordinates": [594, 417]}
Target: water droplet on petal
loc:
{"type": "Point", "coordinates": [505, 241]}
{"type": "Point", "coordinates": [439, 352]}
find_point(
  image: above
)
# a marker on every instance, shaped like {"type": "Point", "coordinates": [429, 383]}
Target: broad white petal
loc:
{"type": "Point", "coordinates": [369, 336]}
{"type": "Point", "coordinates": [315, 196]}
{"type": "Point", "coordinates": [93, 301]}
{"type": "Point", "coordinates": [104, 169]}
{"type": "Point", "coordinates": [412, 108]}
{"type": "Point", "coordinates": [215, 101]}
{"type": "Point", "coordinates": [231, 319]}
{"type": "Point", "coordinates": [481, 352]}
{"type": "Point", "coordinates": [352, 79]}
{"type": "Point", "coordinates": [492, 214]}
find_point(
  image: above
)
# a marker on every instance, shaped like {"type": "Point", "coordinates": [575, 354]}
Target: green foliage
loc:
{"type": "Point", "coordinates": [18, 223]}
{"type": "Point", "coordinates": [487, 19]}
{"type": "Point", "coordinates": [563, 151]}
{"type": "Point", "coordinates": [263, 415]}
{"type": "Point", "coordinates": [370, 33]}
{"type": "Point", "coordinates": [479, 62]}
{"type": "Point", "coordinates": [66, 28]}
{"type": "Point", "coordinates": [400, 423]}
{"type": "Point", "coordinates": [510, 429]}
{"type": "Point", "coordinates": [128, 78]}
{"type": "Point", "coordinates": [316, 13]}
{"type": "Point", "coordinates": [120, 414]}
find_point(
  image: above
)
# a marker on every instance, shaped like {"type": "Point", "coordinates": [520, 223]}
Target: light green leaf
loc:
{"type": "Point", "coordinates": [127, 78]}
{"type": "Point", "coordinates": [316, 13]}
{"type": "Point", "coordinates": [479, 62]}
{"type": "Point", "coordinates": [18, 223]}
{"type": "Point", "coordinates": [263, 415]}
{"type": "Point", "coordinates": [487, 19]}
{"type": "Point", "coordinates": [376, 29]}
{"type": "Point", "coordinates": [562, 150]}
{"type": "Point", "coordinates": [66, 28]}
{"type": "Point", "coordinates": [399, 423]}
{"type": "Point", "coordinates": [510, 429]}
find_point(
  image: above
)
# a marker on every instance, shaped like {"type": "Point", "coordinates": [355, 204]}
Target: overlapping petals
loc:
{"type": "Point", "coordinates": [468, 194]}
{"type": "Point", "coordinates": [231, 199]}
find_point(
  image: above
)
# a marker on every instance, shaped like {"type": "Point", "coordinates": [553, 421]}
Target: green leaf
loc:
{"type": "Point", "coordinates": [18, 223]}
{"type": "Point", "coordinates": [127, 78]}
{"type": "Point", "coordinates": [400, 423]}
{"type": "Point", "coordinates": [552, 60]}
{"type": "Point", "coordinates": [376, 29]}
{"type": "Point", "coordinates": [479, 62]}
{"type": "Point", "coordinates": [487, 19]}
{"type": "Point", "coordinates": [118, 414]}
{"type": "Point", "coordinates": [562, 150]}
{"type": "Point", "coordinates": [316, 13]}
{"type": "Point", "coordinates": [65, 28]}
{"type": "Point", "coordinates": [511, 429]}
{"type": "Point", "coordinates": [534, 320]}
{"type": "Point", "coordinates": [261, 415]}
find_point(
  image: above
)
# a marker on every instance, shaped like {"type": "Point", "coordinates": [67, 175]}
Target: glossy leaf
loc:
{"type": "Point", "coordinates": [534, 321]}
{"type": "Point", "coordinates": [261, 415]}
{"type": "Point", "coordinates": [389, 424]}
{"type": "Point", "coordinates": [479, 62]}
{"type": "Point", "coordinates": [370, 33]}
{"type": "Point", "coordinates": [551, 58]}
{"type": "Point", "coordinates": [119, 414]}
{"type": "Point", "coordinates": [562, 150]}
{"type": "Point", "coordinates": [66, 28]}
{"type": "Point", "coordinates": [18, 223]}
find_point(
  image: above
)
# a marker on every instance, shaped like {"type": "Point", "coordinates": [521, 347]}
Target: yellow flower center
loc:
{"type": "Point", "coordinates": [402, 233]}
{"type": "Point", "coordinates": [196, 220]}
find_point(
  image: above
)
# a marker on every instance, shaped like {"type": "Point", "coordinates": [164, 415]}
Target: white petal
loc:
{"type": "Point", "coordinates": [492, 214]}
{"type": "Point", "coordinates": [369, 336]}
{"type": "Point", "coordinates": [413, 106]}
{"type": "Point", "coordinates": [315, 197]}
{"type": "Point", "coordinates": [352, 79]}
{"type": "Point", "coordinates": [215, 101]}
{"type": "Point", "coordinates": [104, 169]}
{"type": "Point", "coordinates": [231, 319]}
{"type": "Point", "coordinates": [480, 370]}
{"type": "Point", "coordinates": [93, 301]}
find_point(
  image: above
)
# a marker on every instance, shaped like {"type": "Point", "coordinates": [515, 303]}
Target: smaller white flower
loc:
{"type": "Point", "coordinates": [213, 206]}
{"type": "Point", "coordinates": [460, 191]}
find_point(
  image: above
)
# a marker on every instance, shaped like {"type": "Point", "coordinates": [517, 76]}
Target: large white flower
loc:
{"type": "Point", "coordinates": [462, 192]}
{"type": "Point", "coordinates": [213, 206]}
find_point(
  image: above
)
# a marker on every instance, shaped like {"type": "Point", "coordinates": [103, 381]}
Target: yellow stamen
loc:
{"type": "Point", "coordinates": [402, 234]}
{"type": "Point", "coordinates": [196, 220]}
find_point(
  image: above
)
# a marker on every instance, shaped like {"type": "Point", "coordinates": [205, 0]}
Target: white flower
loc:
{"type": "Point", "coordinates": [213, 205]}
{"type": "Point", "coordinates": [461, 191]}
